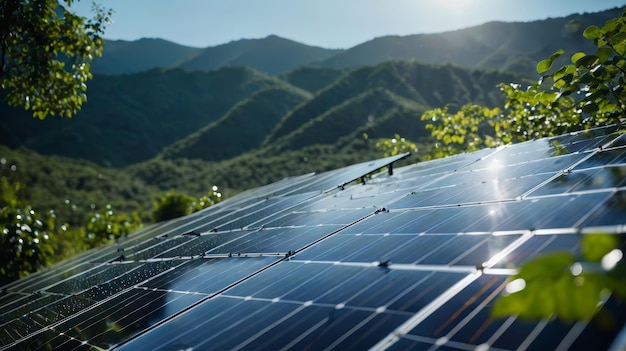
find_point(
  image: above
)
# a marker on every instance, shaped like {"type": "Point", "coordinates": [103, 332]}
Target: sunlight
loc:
{"type": "Point", "coordinates": [455, 5]}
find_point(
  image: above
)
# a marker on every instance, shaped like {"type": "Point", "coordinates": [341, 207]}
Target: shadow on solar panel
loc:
{"type": "Point", "coordinates": [411, 258]}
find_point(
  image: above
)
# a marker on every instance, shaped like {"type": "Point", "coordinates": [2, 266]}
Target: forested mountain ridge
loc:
{"type": "Point", "coordinates": [131, 118]}
{"type": "Point", "coordinates": [124, 57]}
{"type": "Point", "coordinates": [272, 55]}
{"type": "Point", "coordinates": [241, 129]}
{"type": "Point", "coordinates": [424, 84]}
{"type": "Point", "coordinates": [507, 46]}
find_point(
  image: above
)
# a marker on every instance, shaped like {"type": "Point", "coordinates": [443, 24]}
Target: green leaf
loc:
{"type": "Point", "coordinates": [545, 65]}
{"type": "Point", "coordinates": [594, 246]}
{"type": "Point", "coordinates": [553, 264]}
{"type": "Point", "coordinates": [587, 61]}
{"type": "Point", "coordinates": [577, 56]}
{"type": "Point", "coordinates": [557, 54]}
{"type": "Point", "coordinates": [545, 287]}
{"type": "Point", "coordinates": [604, 53]}
{"type": "Point", "coordinates": [593, 32]}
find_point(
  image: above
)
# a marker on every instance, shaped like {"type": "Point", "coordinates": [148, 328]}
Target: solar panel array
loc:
{"type": "Point", "coordinates": [409, 258]}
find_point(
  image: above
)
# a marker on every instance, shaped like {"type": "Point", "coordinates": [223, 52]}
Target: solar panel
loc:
{"type": "Point", "coordinates": [413, 257]}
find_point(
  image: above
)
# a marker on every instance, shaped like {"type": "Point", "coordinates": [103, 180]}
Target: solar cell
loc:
{"type": "Point", "coordinates": [412, 257]}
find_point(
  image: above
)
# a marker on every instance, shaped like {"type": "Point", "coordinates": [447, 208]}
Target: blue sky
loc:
{"type": "Point", "coordinates": [325, 23]}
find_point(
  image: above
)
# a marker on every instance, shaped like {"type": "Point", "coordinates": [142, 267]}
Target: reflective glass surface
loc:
{"type": "Point", "coordinates": [353, 258]}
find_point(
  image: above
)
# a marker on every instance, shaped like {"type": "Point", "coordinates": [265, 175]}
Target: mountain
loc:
{"type": "Point", "coordinates": [364, 113]}
{"type": "Point", "coordinates": [124, 57]}
{"type": "Point", "coordinates": [219, 114]}
{"type": "Point", "coordinates": [131, 118]}
{"type": "Point", "coordinates": [424, 84]}
{"type": "Point", "coordinates": [241, 129]}
{"type": "Point", "coordinates": [513, 47]}
{"type": "Point", "coordinates": [273, 55]}
{"type": "Point", "coordinates": [507, 46]}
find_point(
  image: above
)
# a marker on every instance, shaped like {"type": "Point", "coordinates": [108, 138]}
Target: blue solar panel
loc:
{"type": "Point", "coordinates": [412, 257]}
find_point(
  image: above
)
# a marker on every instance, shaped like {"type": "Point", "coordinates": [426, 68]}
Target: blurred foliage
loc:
{"type": "Point", "coordinates": [394, 146]}
{"type": "Point", "coordinates": [565, 286]}
{"type": "Point", "coordinates": [174, 204]}
{"type": "Point", "coordinates": [50, 81]}
{"type": "Point", "coordinates": [25, 235]}
{"type": "Point", "coordinates": [105, 226]}
{"type": "Point", "coordinates": [211, 198]}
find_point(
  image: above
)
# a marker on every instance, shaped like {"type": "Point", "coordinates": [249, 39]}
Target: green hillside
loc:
{"type": "Point", "coordinates": [367, 110]}
{"type": "Point", "coordinates": [131, 118]}
{"type": "Point", "coordinates": [424, 84]}
{"type": "Point", "coordinates": [312, 78]}
{"type": "Point", "coordinates": [70, 187]}
{"type": "Point", "coordinates": [241, 129]}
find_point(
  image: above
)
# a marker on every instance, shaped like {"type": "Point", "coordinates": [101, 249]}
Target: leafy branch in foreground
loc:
{"type": "Point", "coordinates": [564, 286]}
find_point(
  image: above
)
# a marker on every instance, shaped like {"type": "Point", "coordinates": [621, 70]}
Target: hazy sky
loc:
{"type": "Point", "coordinates": [325, 23]}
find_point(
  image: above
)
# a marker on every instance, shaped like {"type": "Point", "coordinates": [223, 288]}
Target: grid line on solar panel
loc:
{"type": "Point", "coordinates": [534, 222]}
{"type": "Point", "coordinates": [605, 157]}
{"type": "Point", "coordinates": [589, 179]}
{"type": "Point", "coordinates": [247, 300]}
{"type": "Point", "coordinates": [426, 311]}
{"type": "Point", "coordinates": [465, 319]}
{"type": "Point", "coordinates": [531, 213]}
{"type": "Point", "coordinates": [317, 326]}
{"type": "Point", "coordinates": [252, 269]}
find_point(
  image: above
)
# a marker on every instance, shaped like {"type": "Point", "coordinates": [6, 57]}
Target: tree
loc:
{"type": "Point", "coordinates": [45, 54]}
{"type": "Point", "coordinates": [173, 204]}
{"type": "Point", "coordinates": [469, 129]}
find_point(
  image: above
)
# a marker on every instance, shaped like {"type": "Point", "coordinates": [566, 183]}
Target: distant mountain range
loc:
{"type": "Point", "coordinates": [272, 55]}
{"type": "Point", "coordinates": [513, 47]}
